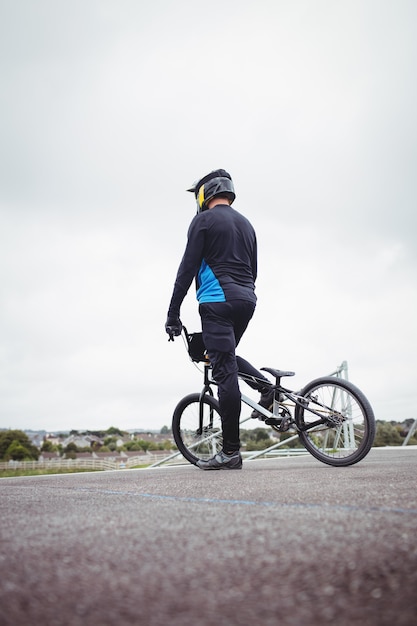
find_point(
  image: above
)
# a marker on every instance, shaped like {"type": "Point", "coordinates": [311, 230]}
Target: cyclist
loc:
{"type": "Point", "coordinates": [221, 254]}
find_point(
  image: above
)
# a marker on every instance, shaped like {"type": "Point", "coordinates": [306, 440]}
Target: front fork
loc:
{"type": "Point", "coordinates": [207, 390]}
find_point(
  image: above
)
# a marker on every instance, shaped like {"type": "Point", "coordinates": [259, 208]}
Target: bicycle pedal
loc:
{"type": "Point", "coordinates": [273, 421]}
{"type": "Point", "coordinates": [280, 424]}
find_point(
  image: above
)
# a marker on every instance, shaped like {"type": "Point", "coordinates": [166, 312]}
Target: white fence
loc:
{"type": "Point", "coordinates": [88, 464]}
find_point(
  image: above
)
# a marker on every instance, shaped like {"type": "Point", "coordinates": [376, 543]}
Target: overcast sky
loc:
{"type": "Point", "coordinates": [110, 109]}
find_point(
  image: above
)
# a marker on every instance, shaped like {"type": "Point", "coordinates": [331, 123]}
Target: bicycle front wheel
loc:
{"type": "Point", "coordinates": [197, 427]}
{"type": "Point", "coordinates": [336, 422]}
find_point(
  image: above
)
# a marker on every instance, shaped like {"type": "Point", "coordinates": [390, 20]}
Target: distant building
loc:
{"type": "Point", "coordinates": [82, 441]}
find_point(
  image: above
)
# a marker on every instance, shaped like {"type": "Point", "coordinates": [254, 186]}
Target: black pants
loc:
{"type": "Point", "coordinates": [223, 324]}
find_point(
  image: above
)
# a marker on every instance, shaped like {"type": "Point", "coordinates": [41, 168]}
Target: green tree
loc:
{"type": "Point", "coordinates": [7, 437]}
{"type": "Point", "coordinates": [261, 444]}
{"type": "Point", "coordinates": [295, 443]}
{"type": "Point", "coordinates": [255, 435]}
{"type": "Point", "coordinates": [387, 434]}
{"type": "Point", "coordinates": [132, 446]}
{"type": "Point", "coordinates": [111, 443]}
{"type": "Point", "coordinates": [16, 451]}
{"type": "Point", "coordinates": [115, 431]}
{"type": "Point", "coordinates": [48, 446]}
{"type": "Point", "coordinates": [144, 445]}
{"type": "Point", "coordinates": [261, 434]}
{"type": "Point", "coordinates": [71, 450]}
{"type": "Point", "coordinates": [257, 439]}
{"type": "Point", "coordinates": [98, 433]}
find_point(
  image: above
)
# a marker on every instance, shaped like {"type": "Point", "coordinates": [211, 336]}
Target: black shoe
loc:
{"type": "Point", "coordinates": [222, 461]}
{"type": "Point", "coordinates": [267, 398]}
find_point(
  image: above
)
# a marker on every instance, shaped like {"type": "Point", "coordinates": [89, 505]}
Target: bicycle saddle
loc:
{"type": "Point", "coordinates": [277, 373]}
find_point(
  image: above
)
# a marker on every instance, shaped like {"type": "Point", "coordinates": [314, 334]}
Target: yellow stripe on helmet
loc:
{"type": "Point", "coordinates": [201, 196]}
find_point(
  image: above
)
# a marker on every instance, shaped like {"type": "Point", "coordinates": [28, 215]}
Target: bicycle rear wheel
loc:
{"type": "Point", "coordinates": [337, 423]}
{"type": "Point", "coordinates": [197, 427]}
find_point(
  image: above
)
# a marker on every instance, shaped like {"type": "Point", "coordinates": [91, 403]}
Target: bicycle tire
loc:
{"type": "Point", "coordinates": [193, 442]}
{"type": "Point", "coordinates": [347, 429]}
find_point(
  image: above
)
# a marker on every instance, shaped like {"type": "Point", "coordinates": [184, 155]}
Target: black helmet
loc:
{"type": "Point", "coordinates": [217, 183]}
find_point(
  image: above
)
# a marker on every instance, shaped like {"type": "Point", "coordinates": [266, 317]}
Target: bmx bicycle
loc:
{"type": "Point", "coordinates": [332, 417]}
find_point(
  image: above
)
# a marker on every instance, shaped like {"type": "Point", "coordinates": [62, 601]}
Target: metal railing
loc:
{"type": "Point", "coordinates": [410, 433]}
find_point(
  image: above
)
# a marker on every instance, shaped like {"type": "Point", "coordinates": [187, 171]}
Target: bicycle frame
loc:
{"type": "Point", "coordinates": [271, 415]}
{"type": "Point", "coordinates": [271, 418]}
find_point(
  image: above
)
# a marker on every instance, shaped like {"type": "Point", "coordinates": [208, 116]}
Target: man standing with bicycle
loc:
{"type": "Point", "coordinates": [221, 254]}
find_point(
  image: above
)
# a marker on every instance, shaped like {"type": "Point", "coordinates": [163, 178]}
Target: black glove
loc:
{"type": "Point", "coordinates": [173, 326]}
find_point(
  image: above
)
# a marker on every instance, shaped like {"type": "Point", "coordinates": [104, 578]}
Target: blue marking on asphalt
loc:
{"type": "Point", "coordinates": [262, 503]}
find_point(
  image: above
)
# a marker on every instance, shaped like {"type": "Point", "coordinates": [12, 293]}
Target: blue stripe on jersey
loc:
{"type": "Point", "coordinates": [209, 287]}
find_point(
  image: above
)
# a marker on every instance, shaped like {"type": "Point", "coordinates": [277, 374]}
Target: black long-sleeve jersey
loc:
{"type": "Point", "coordinates": [221, 254]}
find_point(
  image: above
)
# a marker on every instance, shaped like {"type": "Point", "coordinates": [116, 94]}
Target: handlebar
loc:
{"type": "Point", "coordinates": [171, 332]}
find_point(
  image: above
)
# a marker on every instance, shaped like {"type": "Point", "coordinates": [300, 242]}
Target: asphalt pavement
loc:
{"type": "Point", "coordinates": [288, 541]}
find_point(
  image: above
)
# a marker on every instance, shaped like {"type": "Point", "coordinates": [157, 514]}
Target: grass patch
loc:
{"type": "Point", "coordinates": [11, 473]}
